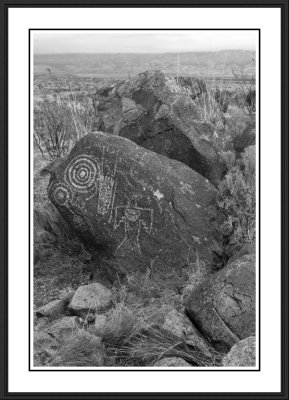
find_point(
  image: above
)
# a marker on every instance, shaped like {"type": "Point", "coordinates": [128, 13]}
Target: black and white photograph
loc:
{"type": "Point", "coordinates": [144, 148]}
{"type": "Point", "coordinates": [144, 171]}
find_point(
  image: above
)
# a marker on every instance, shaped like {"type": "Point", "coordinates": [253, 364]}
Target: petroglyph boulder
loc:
{"type": "Point", "coordinates": [160, 114]}
{"type": "Point", "coordinates": [140, 210]}
{"type": "Point", "coordinates": [223, 308]}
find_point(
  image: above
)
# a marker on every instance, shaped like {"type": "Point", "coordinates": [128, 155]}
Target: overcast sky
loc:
{"type": "Point", "coordinates": [46, 42]}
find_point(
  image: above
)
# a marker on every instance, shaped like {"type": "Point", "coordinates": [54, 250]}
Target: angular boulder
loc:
{"type": "Point", "coordinates": [223, 308]}
{"type": "Point", "coordinates": [140, 210]}
{"type": "Point", "coordinates": [158, 112]}
{"type": "Point", "coordinates": [242, 354]}
{"type": "Point", "coordinates": [90, 298]}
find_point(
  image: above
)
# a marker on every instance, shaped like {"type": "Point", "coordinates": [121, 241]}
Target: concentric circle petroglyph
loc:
{"type": "Point", "coordinates": [61, 194]}
{"type": "Point", "coordinates": [81, 173]}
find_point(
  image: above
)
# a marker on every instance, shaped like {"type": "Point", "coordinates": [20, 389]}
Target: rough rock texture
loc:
{"type": "Point", "coordinates": [81, 350]}
{"type": "Point", "coordinates": [242, 354]}
{"type": "Point", "coordinates": [137, 208]}
{"type": "Point", "coordinates": [179, 325]}
{"type": "Point", "coordinates": [44, 348]}
{"type": "Point", "coordinates": [223, 308]}
{"type": "Point", "coordinates": [62, 328]}
{"type": "Point", "coordinates": [172, 362]}
{"type": "Point", "coordinates": [157, 113]}
{"type": "Point", "coordinates": [90, 298]}
{"type": "Point", "coordinates": [53, 309]}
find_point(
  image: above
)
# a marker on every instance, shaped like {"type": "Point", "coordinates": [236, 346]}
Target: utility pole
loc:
{"type": "Point", "coordinates": [178, 68]}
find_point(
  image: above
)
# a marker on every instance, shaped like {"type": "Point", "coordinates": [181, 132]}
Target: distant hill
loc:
{"type": "Point", "coordinates": [126, 65]}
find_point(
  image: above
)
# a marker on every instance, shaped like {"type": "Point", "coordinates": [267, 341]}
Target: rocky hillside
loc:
{"type": "Point", "coordinates": [144, 234]}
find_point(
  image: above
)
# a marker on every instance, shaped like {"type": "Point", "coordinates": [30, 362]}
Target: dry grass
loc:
{"type": "Point", "coordinates": [153, 343]}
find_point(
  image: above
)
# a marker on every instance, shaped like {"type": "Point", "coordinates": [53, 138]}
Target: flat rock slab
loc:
{"type": "Point", "coordinates": [223, 308]}
{"type": "Point", "coordinates": [158, 112]}
{"type": "Point", "coordinates": [242, 354]}
{"type": "Point", "coordinates": [90, 298]}
{"type": "Point", "coordinates": [139, 209]}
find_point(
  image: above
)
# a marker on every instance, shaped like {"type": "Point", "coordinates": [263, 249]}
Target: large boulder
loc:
{"type": "Point", "coordinates": [158, 112]}
{"type": "Point", "coordinates": [140, 210]}
{"type": "Point", "coordinates": [242, 354]}
{"type": "Point", "coordinates": [223, 308]}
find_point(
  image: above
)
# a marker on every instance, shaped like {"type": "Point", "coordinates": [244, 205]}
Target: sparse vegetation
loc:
{"type": "Point", "coordinates": [132, 333]}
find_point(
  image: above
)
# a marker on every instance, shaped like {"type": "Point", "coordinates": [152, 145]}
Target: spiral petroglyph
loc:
{"type": "Point", "coordinates": [81, 173]}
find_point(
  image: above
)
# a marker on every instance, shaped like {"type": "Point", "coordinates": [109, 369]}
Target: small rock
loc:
{"type": "Point", "coordinates": [242, 354]}
{"type": "Point", "coordinates": [172, 362]}
{"type": "Point", "coordinates": [90, 298]}
{"type": "Point", "coordinates": [52, 309]}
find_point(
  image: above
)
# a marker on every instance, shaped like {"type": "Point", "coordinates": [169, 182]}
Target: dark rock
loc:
{"type": "Point", "coordinates": [159, 114]}
{"type": "Point", "coordinates": [90, 298]}
{"type": "Point", "coordinates": [139, 209]}
{"type": "Point", "coordinates": [223, 308]}
{"type": "Point", "coordinates": [242, 354]}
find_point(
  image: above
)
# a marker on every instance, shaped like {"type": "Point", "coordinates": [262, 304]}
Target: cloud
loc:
{"type": "Point", "coordinates": [141, 41]}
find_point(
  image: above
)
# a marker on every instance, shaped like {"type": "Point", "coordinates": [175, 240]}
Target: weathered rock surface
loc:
{"type": "Point", "coordinates": [52, 309]}
{"type": "Point", "coordinates": [242, 354]}
{"type": "Point", "coordinates": [90, 298]}
{"type": "Point", "coordinates": [158, 113]}
{"type": "Point", "coordinates": [62, 328]}
{"type": "Point", "coordinates": [223, 308]}
{"type": "Point", "coordinates": [179, 325]}
{"type": "Point", "coordinates": [81, 350]}
{"type": "Point", "coordinates": [44, 348]}
{"type": "Point", "coordinates": [172, 362]}
{"type": "Point", "coordinates": [139, 209]}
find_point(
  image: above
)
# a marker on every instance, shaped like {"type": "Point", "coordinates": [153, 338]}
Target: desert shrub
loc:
{"type": "Point", "coordinates": [60, 120]}
{"type": "Point", "coordinates": [237, 201]}
{"type": "Point", "coordinates": [52, 232]}
{"type": "Point", "coordinates": [246, 90]}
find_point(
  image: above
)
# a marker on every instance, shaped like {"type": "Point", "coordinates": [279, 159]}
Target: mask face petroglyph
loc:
{"type": "Point", "coordinates": [132, 214]}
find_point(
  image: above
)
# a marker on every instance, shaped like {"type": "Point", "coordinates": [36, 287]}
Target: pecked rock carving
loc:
{"type": "Point", "coordinates": [141, 209]}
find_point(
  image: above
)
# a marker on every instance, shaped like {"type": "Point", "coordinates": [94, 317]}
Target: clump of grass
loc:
{"type": "Point", "coordinates": [153, 343]}
{"type": "Point", "coordinates": [237, 201]}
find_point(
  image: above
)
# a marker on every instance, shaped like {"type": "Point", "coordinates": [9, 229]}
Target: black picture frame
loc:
{"type": "Point", "coordinates": [5, 5]}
